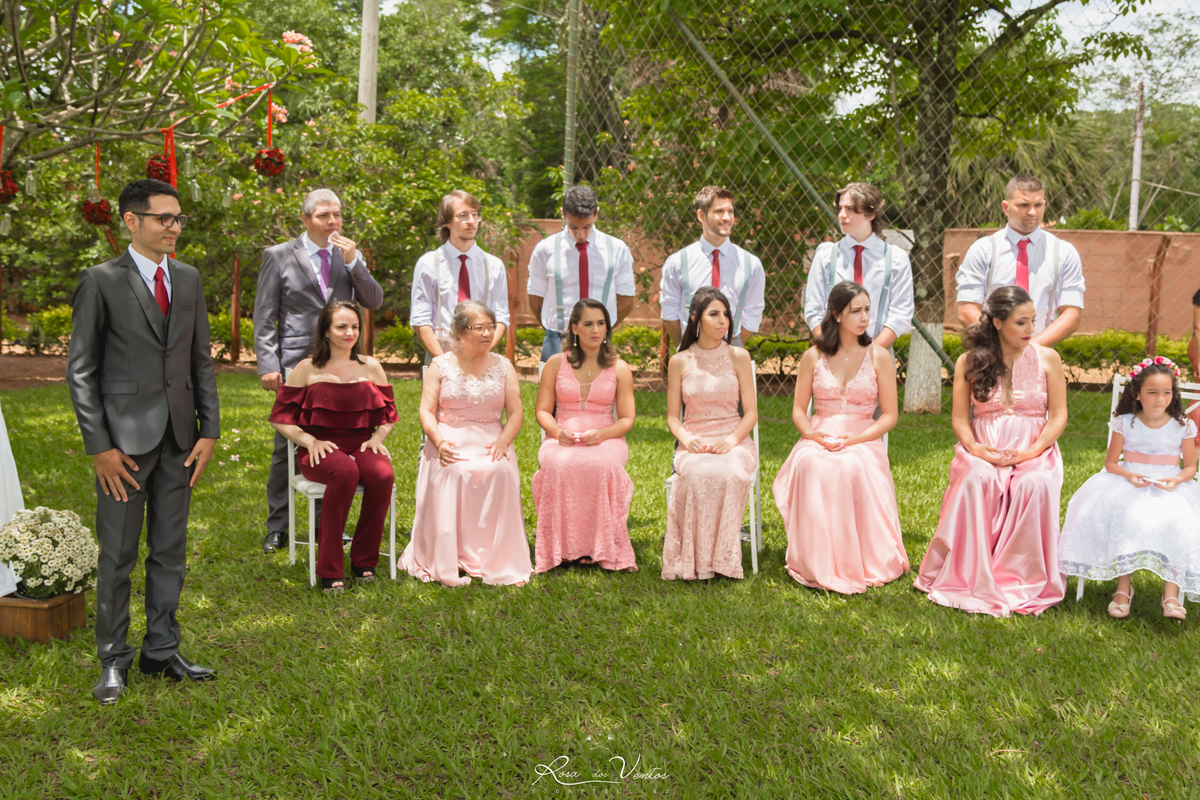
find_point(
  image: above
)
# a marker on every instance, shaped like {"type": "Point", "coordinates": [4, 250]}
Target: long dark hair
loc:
{"type": "Point", "coordinates": [574, 353]}
{"type": "Point", "coordinates": [985, 361]}
{"type": "Point", "coordinates": [1129, 403]}
{"type": "Point", "coordinates": [700, 302]}
{"type": "Point", "coordinates": [320, 348]}
{"type": "Point", "coordinates": [840, 297]}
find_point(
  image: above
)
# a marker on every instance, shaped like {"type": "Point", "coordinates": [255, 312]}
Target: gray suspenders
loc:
{"type": "Point", "coordinates": [743, 266]}
{"type": "Point", "coordinates": [609, 267]}
{"type": "Point", "coordinates": [440, 265]}
{"type": "Point", "coordinates": [885, 295]}
{"type": "Point", "coordinates": [1055, 275]}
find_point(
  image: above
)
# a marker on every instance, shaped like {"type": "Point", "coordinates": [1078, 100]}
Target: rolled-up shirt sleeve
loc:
{"type": "Point", "coordinates": [1071, 276]}
{"type": "Point", "coordinates": [900, 305]}
{"type": "Point", "coordinates": [756, 300]}
{"type": "Point", "coordinates": [669, 289]}
{"type": "Point", "coordinates": [971, 280]}
{"type": "Point", "coordinates": [424, 292]}
{"type": "Point", "coordinates": [498, 297]}
{"type": "Point", "coordinates": [626, 284]}
{"type": "Point", "coordinates": [816, 292]}
{"type": "Point", "coordinates": [539, 277]}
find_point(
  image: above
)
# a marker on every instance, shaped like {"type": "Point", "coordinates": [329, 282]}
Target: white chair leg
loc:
{"type": "Point", "coordinates": [291, 525]}
{"type": "Point", "coordinates": [1079, 588]}
{"type": "Point", "coordinates": [753, 527]}
{"type": "Point", "coordinates": [312, 541]}
{"type": "Point", "coordinates": [392, 535]}
{"type": "Point", "coordinates": [758, 505]}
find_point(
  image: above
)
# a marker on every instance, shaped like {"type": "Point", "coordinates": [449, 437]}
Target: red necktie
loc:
{"type": "Point", "coordinates": [716, 276]}
{"type": "Point", "coordinates": [160, 291]}
{"type": "Point", "coordinates": [1023, 264]}
{"type": "Point", "coordinates": [858, 251]}
{"type": "Point", "coordinates": [464, 280]}
{"type": "Point", "coordinates": [584, 285]}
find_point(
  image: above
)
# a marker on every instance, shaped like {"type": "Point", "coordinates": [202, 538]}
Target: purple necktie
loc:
{"type": "Point", "coordinates": [326, 265]}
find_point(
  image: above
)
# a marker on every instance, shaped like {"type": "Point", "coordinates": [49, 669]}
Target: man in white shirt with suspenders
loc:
{"type": "Point", "coordinates": [1022, 254]}
{"type": "Point", "coordinates": [458, 270]}
{"type": "Point", "coordinates": [578, 256]}
{"type": "Point", "coordinates": [713, 261]}
{"type": "Point", "coordinates": [863, 257]}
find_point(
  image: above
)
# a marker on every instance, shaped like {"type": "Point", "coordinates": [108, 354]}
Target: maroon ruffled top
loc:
{"type": "Point", "coordinates": [326, 409]}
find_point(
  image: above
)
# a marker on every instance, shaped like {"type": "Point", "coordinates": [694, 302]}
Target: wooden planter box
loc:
{"type": "Point", "coordinates": [41, 620]}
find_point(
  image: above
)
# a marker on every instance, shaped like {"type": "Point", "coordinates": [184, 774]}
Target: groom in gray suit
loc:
{"type": "Point", "coordinates": [295, 281]}
{"type": "Point", "coordinates": [140, 372]}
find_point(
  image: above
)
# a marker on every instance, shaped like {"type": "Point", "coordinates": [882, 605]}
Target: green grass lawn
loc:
{"type": "Point", "coordinates": [754, 688]}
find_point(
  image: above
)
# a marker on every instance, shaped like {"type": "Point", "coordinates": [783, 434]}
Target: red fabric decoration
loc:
{"type": "Point", "coordinates": [270, 162]}
{"type": "Point", "coordinates": [159, 169]}
{"type": "Point", "coordinates": [8, 186]}
{"type": "Point", "coordinates": [97, 213]}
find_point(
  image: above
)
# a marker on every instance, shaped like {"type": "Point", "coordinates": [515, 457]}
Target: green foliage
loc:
{"type": "Point", "coordinates": [399, 341]}
{"type": "Point", "coordinates": [529, 341]}
{"type": "Point", "coordinates": [221, 333]}
{"type": "Point", "coordinates": [1093, 219]}
{"type": "Point", "coordinates": [9, 331]}
{"type": "Point", "coordinates": [55, 323]}
{"type": "Point", "coordinates": [637, 345]}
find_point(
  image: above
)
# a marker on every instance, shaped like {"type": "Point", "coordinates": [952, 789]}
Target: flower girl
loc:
{"type": "Point", "coordinates": [1144, 513]}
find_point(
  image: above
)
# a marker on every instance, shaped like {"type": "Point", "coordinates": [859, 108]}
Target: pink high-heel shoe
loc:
{"type": "Point", "coordinates": [1120, 610]}
{"type": "Point", "coordinates": [1173, 609]}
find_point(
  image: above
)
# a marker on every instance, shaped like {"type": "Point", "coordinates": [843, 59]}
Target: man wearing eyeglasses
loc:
{"type": "Point", "coordinates": [577, 262]}
{"type": "Point", "coordinates": [459, 270]}
{"type": "Point", "coordinates": [295, 281]}
{"type": "Point", "coordinates": [141, 377]}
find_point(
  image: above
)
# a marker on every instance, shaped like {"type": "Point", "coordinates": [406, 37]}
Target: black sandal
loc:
{"type": "Point", "coordinates": [360, 573]}
{"type": "Point", "coordinates": [327, 585]}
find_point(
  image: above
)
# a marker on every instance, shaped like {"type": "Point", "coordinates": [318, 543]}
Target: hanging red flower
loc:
{"type": "Point", "coordinates": [97, 213]}
{"type": "Point", "coordinates": [8, 186]}
{"type": "Point", "coordinates": [159, 169]}
{"type": "Point", "coordinates": [270, 162]}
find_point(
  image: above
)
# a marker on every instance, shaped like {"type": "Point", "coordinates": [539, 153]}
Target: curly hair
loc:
{"type": "Point", "coordinates": [1129, 403]}
{"type": "Point", "coordinates": [985, 361]}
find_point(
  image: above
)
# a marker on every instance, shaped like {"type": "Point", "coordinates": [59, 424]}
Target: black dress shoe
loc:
{"type": "Point", "coordinates": [177, 668]}
{"type": "Point", "coordinates": [276, 540]}
{"type": "Point", "coordinates": [111, 685]}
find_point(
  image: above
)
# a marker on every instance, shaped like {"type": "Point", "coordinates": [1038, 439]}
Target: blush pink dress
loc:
{"type": "Point", "coordinates": [996, 546]}
{"type": "Point", "coordinates": [839, 509]}
{"type": "Point", "coordinates": [709, 491]}
{"type": "Point", "coordinates": [469, 514]}
{"type": "Point", "coordinates": [582, 493]}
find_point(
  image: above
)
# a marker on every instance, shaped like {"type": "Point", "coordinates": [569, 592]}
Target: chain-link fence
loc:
{"type": "Point", "coordinates": [784, 104]}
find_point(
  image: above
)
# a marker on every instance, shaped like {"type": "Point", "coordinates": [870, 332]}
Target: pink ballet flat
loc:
{"type": "Point", "coordinates": [1120, 610]}
{"type": "Point", "coordinates": [1173, 609]}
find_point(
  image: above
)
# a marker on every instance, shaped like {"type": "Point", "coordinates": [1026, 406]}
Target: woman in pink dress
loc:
{"type": "Point", "coordinates": [582, 492]}
{"type": "Point", "coordinates": [715, 460]}
{"type": "Point", "coordinates": [835, 491]}
{"type": "Point", "coordinates": [468, 489]}
{"type": "Point", "coordinates": [338, 407]}
{"type": "Point", "coordinates": [996, 546]}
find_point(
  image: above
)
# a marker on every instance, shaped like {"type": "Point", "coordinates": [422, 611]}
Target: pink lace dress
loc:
{"type": "Point", "coordinates": [839, 509]}
{"type": "Point", "coordinates": [996, 546]}
{"type": "Point", "coordinates": [582, 493]}
{"type": "Point", "coordinates": [708, 496]}
{"type": "Point", "coordinates": [469, 514]}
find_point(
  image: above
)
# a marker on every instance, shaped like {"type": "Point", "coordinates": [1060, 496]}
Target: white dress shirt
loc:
{"type": "Point", "coordinates": [599, 246]}
{"type": "Point", "coordinates": [972, 278]}
{"type": "Point", "coordinates": [147, 269]}
{"type": "Point", "coordinates": [899, 312]}
{"type": "Point", "coordinates": [737, 268]}
{"type": "Point", "coordinates": [435, 291]}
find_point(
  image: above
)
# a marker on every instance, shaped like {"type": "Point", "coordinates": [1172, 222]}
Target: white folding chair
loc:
{"type": "Point", "coordinates": [1189, 391]}
{"type": "Point", "coordinates": [754, 503]}
{"type": "Point", "coordinates": [315, 491]}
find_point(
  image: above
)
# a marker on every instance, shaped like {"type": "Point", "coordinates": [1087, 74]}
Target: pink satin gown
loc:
{"type": "Point", "coordinates": [582, 493]}
{"type": "Point", "coordinates": [839, 509]}
{"type": "Point", "coordinates": [469, 512]}
{"type": "Point", "coordinates": [708, 498]}
{"type": "Point", "coordinates": [996, 546]}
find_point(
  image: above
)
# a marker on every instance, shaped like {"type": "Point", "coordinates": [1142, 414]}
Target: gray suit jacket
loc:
{"type": "Point", "coordinates": [130, 370]}
{"type": "Point", "coordinates": [288, 302]}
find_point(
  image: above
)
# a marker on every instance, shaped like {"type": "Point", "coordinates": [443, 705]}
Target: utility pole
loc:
{"type": "Point", "coordinates": [572, 81]}
{"type": "Point", "coordinates": [368, 62]}
{"type": "Point", "coordinates": [1139, 132]}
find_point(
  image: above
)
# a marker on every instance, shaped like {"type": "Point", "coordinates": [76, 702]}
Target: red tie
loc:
{"type": "Point", "coordinates": [858, 251]}
{"type": "Point", "coordinates": [464, 280]}
{"type": "Point", "coordinates": [716, 278]}
{"type": "Point", "coordinates": [160, 291]}
{"type": "Point", "coordinates": [1023, 264]}
{"type": "Point", "coordinates": [584, 285]}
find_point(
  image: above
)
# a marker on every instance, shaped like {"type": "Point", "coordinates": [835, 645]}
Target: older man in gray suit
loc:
{"type": "Point", "coordinates": [295, 281]}
{"type": "Point", "coordinates": [140, 372]}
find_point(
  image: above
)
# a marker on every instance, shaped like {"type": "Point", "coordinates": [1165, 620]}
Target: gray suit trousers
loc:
{"type": "Point", "coordinates": [164, 482]}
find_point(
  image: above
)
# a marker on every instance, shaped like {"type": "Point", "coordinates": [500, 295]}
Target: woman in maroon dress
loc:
{"type": "Point", "coordinates": [338, 407]}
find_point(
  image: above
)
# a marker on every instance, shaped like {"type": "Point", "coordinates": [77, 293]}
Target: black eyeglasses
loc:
{"type": "Point", "coordinates": [166, 220]}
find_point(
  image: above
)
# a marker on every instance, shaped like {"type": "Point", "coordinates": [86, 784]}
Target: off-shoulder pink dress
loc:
{"type": "Point", "coordinates": [582, 493]}
{"type": "Point", "coordinates": [708, 496]}
{"type": "Point", "coordinates": [839, 509]}
{"type": "Point", "coordinates": [469, 512]}
{"type": "Point", "coordinates": [996, 546]}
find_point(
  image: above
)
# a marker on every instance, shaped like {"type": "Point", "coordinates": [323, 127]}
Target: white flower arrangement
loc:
{"type": "Point", "coordinates": [50, 551]}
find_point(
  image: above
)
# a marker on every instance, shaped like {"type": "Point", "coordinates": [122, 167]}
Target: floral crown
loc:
{"type": "Point", "coordinates": [1161, 361]}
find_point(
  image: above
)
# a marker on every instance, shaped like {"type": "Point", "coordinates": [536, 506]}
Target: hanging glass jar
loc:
{"type": "Point", "coordinates": [227, 198]}
{"type": "Point", "coordinates": [93, 193]}
{"type": "Point", "coordinates": [31, 187]}
{"type": "Point", "coordinates": [189, 165]}
{"type": "Point", "coordinates": [6, 224]}
{"type": "Point", "coordinates": [194, 186]}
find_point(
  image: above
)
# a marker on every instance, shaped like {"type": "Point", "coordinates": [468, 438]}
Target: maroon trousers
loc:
{"type": "Point", "coordinates": [342, 471]}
